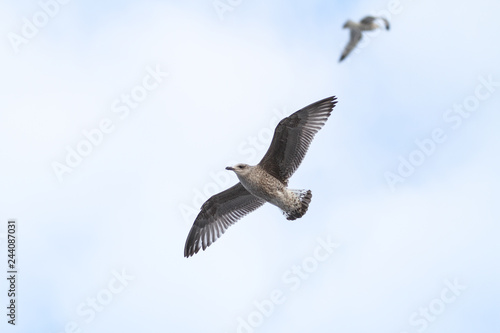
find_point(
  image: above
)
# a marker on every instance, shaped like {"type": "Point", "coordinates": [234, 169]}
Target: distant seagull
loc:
{"type": "Point", "coordinates": [366, 24]}
{"type": "Point", "coordinates": [264, 182]}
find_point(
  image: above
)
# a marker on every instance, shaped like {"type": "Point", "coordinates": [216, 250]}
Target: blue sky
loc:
{"type": "Point", "coordinates": [208, 92]}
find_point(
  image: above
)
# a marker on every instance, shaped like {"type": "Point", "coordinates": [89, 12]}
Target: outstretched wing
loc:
{"type": "Point", "coordinates": [292, 138]}
{"type": "Point", "coordinates": [355, 38]}
{"type": "Point", "coordinates": [217, 214]}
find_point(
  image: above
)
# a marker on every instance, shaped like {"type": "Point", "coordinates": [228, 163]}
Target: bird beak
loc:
{"type": "Point", "coordinates": [230, 168]}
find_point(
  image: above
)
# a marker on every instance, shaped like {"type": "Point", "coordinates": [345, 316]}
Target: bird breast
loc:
{"type": "Point", "coordinates": [262, 185]}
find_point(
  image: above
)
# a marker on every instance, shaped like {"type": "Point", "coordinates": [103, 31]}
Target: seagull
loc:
{"type": "Point", "coordinates": [366, 24]}
{"type": "Point", "coordinates": [264, 182]}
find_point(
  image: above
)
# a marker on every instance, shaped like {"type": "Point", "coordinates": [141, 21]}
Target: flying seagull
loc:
{"type": "Point", "coordinates": [264, 182]}
{"type": "Point", "coordinates": [366, 24]}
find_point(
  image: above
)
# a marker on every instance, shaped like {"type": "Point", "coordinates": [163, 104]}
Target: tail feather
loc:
{"type": "Point", "coordinates": [305, 198]}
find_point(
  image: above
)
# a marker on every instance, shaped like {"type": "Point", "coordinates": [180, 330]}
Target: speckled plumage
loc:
{"type": "Point", "coordinates": [264, 182]}
{"type": "Point", "coordinates": [261, 184]}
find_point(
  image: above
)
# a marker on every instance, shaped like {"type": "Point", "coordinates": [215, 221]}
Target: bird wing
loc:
{"type": "Point", "coordinates": [292, 138]}
{"type": "Point", "coordinates": [217, 214]}
{"type": "Point", "coordinates": [355, 38]}
{"type": "Point", "coordinates": [387, 25]}
{"type": "Point", "coordinates": [368, 20]}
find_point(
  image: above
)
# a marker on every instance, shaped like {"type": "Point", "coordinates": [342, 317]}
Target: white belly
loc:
{"type": "Point", "coordinates": [276, 194]}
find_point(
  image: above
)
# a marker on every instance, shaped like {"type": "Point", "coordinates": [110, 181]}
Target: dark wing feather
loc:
{"type": "Point", "coordinates": [355, 38]}
{"type": "Point", "coordinates": [386, 23]}
{"type": "Point", "coordinates": [217, 214]}
{"type": "Point", "coordinates": [292, 138]}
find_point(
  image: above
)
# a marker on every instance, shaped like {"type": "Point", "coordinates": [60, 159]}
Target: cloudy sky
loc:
{"type": "Point", "coordinates": [118, 118]}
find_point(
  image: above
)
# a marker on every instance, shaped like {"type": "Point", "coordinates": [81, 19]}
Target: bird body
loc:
{"type": "Point", "coordinates": [368, 26]}
{"type": "Point", "coordinates": [266, 187]}
{"type": "Point", "coordinates": [265, 182]}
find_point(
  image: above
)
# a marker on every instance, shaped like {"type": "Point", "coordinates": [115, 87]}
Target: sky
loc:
{"type": "Point", "coordinates": [117, 120]}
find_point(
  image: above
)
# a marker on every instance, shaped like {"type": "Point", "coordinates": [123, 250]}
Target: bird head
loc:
{"type": "Point", "coordinates": [239, 169]}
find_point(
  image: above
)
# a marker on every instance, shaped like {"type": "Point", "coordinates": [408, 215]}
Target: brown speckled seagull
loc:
{"type": "Point", "coordinates": [366, 24]}
{"type": "Point", "coordinates": [264, 182]}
